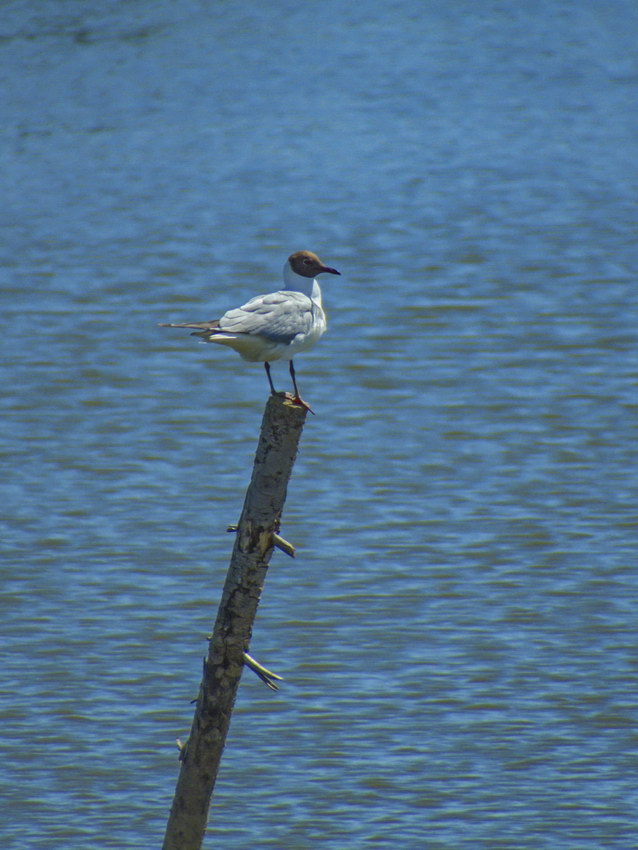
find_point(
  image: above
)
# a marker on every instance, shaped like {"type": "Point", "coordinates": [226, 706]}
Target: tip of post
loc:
{"type": "Point", "coordinates": [289, 403]}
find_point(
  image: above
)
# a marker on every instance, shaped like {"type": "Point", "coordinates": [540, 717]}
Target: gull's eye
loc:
{"type": "Point", "coordinates": [307, 261]}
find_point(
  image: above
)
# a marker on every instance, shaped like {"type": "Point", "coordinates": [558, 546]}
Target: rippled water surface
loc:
{"type": "Point", "coordinates": [458, 631]}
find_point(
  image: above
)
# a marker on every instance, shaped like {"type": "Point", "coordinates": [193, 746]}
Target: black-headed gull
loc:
{"type": "Point", "coordinates": [276, 326]}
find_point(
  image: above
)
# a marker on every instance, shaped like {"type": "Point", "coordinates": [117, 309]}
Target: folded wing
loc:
{"type": "Point", "coordinates": [278, 317]}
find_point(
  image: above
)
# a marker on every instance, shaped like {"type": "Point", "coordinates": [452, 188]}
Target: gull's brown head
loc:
{"type": "Point", "coordinates": [307, 264]}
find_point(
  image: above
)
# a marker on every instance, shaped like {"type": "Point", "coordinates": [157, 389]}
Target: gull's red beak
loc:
{"type": "Point", "coordinates": [329, 270]}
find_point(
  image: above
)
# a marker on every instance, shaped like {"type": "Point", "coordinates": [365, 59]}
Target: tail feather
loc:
{"type": "Point", "coordinates": [200, 326]}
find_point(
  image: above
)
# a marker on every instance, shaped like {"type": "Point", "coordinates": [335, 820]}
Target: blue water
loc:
{"type": "Point", "coordinates": [457, 633]}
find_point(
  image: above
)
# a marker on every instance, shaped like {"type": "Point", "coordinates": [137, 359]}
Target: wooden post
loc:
{"type": "Point", "coordinates": [200, 757]}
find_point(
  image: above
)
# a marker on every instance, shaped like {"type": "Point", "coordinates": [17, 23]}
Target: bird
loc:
{"type": "Point", "coordinates": [277, 326]}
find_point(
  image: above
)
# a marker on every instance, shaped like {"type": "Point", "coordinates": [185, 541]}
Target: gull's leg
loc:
{"type": "Point", "coordinates": [272, 388]}
{"type": "Point", "coordinates": [294, 380]}
{"type": "Point", "coordinates": [298, 399]}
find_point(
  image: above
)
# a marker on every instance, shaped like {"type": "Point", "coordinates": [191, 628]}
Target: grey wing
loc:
{"type": "Point", "coordinates": [279, 317]}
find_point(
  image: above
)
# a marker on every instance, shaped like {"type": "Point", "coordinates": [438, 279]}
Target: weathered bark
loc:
{"type": "Point", "coordinates": [279, 438]}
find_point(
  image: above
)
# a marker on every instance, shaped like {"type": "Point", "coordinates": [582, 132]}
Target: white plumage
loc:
{"type": "Point", "coordinates": [276, 326]}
